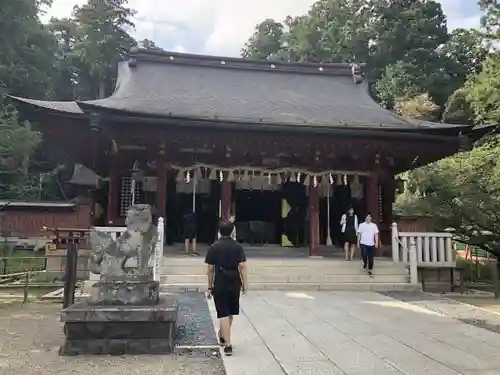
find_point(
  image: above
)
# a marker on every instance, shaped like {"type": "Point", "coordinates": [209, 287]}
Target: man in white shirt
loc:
{"type": "Point", "coordinates": [368, 240]}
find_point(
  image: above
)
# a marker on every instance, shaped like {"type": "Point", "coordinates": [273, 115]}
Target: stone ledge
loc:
{"type": "Point", "coordinates": [166, 310]}
{"type": "Point", "coordinates": [116, 347]}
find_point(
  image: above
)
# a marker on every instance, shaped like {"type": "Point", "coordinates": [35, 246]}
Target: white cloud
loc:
{"type": "Point", "coordinates": [221, 27]}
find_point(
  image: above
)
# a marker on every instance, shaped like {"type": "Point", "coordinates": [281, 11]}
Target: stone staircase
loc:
{"type": "Point", "coordinates": [189, 273]}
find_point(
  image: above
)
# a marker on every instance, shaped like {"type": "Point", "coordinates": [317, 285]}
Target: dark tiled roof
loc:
{"type": "Point", "coordinates": [235, 90]}
{"type": "Point", "coordinates": [67, 107]}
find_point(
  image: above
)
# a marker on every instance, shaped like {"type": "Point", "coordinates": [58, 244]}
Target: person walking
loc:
{"type": "Point", "coordinates": [189, 229]}
{"type": "Point", "coordinates": [368, 240]}
{"type": "Point", "coordinates": [227, 278]}
{"type": "Point", "coordinates": [232, 220]}
{"type": "Point", "coordinates": [349, 223]}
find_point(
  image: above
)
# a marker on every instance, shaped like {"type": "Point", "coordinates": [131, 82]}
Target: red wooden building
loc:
{"type": "Point", "coordinates": [268, 140]}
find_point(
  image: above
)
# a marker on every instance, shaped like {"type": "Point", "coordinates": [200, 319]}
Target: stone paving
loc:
{"type": "Point", "coordinates": [346, 333]}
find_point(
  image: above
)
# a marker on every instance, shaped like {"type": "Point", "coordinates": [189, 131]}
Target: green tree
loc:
{"type": "Point", "coordinates": [17, 144]}
{"type": "Point", "coordinates": [102, 41]}
{"type": "Point", "coordinates": [484, 92]}
{"type": "Point", "coordinates": [27, 50]}
{"type": "Point", "coordinates": [265, 41]}
{"type": "Point", "coordinates": [457, 109]}
{"type": "Point", "coordinates": [420, 107]}
{"type": "Point", "coordinates": [399, 81]}
{"type": "Point", "coordinates": [463, 192]}
{"type": "Point", "coordinates": [149, 45]}
{"type": "Point", "coordinates": [406, 30]}
{"type": "Point", "coordinates": [491, 17]}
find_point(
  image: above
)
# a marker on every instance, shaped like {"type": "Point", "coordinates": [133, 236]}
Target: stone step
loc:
{"type": "Point", "coordinates": [291, 278]}
{"type": "Point", "coordinates": [359, 287]}
{"type": "Point", "coordinates": [287, 270]}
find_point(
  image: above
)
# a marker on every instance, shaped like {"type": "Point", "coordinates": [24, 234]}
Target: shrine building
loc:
{"type": "Point", "coordinates": [286, 147]}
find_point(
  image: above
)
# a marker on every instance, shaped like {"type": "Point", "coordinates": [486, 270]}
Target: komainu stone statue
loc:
{"type": "Point", "coordinates": [119, 285]}
{"type": "Point", "coordinates": [110, 256]}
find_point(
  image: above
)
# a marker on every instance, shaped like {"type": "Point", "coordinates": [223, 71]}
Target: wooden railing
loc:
{"type": "Point", "coordinates": [157, 255]}
{"type": "Point", "coordinates": [422, 249]}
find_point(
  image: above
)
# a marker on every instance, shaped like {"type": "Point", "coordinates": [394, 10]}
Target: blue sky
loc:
{"type": "Point", "coordinates": [221, 27]}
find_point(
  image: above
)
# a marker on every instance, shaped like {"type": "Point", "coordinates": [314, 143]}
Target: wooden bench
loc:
{"type": "Point", "coordinates": [452, 269]}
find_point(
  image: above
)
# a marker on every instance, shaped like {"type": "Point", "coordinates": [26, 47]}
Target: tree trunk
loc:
{"type": "Point", "coordinates": [494, 276]}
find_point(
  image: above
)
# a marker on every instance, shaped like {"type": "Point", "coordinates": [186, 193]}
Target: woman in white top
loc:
{"type": "Point", "coordinates": [350, 225]}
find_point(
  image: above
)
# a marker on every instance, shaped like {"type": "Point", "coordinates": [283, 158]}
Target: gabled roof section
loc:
{"type": "Point", "coordinates": [195, 87]}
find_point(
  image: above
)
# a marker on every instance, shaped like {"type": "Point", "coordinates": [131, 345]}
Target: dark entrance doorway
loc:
{"type": "Point", "coordinates": [258, 219]}
{"type": "Point", "coordinates": [181, 202]}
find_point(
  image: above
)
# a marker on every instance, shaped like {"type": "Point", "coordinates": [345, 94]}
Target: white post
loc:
{"type": "Point", "coordinates": [328, 234]}
{"type": "Point", "coordinates": [194, 194]}
{"type": "Point", "coordinates": [158, 254]}
{"type": "Point", "coordinates": [132, 187]}
{"type": "Point", "coordinates": [413, 262]}
{"type": "Point", "coordinates": [395, 242]}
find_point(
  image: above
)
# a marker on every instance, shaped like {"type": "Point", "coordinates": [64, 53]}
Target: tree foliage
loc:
{"type": "Point", "coordinates": [70, 58]}
{"type": "Point", "coordinates": [483, 92]}
{"type": "Point", "coordinates": [462, 192]}
{"type": "Point", "coordinates": [419, 107]}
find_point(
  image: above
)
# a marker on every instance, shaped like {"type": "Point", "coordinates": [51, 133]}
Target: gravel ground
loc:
{"type": "Point", "coordinates": [465, 313]}
{"type": "Point", "coordinates": [194, 323]}
{"type": "Point", "coordinates": [31, 336]}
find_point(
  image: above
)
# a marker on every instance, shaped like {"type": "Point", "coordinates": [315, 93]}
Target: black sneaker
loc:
{"type": "Point", "coordinates": [221, 340]}
{"type": "Point", "coordinates": [370, 273]}
{"type": "Point", "coordinates": [228, 350]}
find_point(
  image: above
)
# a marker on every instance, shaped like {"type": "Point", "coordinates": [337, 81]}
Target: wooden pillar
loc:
{"type": "Point", "coordinates": [225, 199]}
{"type": "Point", "coordinates": [161, 191]}
{"type": "Point", "coordinates": [313, 216]}
{"type": "Point", "coordinates": [372, 195]}
{"type": "Point", "coordinates": [113, 191]}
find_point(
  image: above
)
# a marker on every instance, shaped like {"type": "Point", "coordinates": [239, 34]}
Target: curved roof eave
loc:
{"type": "Point", "coordinates": [63, 107]}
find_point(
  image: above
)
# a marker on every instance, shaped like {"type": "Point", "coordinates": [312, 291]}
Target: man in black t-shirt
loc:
{"type": "Point", "coordinates": [227, 277]}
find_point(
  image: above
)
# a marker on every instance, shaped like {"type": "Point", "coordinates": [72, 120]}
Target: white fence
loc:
{"type": "Point", "coordinates": [156, 257]}
{"type": "Point", "coordinates": [430, 249]}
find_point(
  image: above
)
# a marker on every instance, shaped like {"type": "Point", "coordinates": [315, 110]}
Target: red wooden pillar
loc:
{"type": "Point", "coordinates": [113, 191]}
{"type": "Point", "coordinates": [313, 215]}
{"type": "Point", "coordinates": [225, 199]}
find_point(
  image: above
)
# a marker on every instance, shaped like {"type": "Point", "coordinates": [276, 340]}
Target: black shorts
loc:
{"type": "Point", "coordinates": [227, 303]}
{"type": "Point", "coordinates": [189, 233]}
{"type": "Point", "coordinates": [350, 237]}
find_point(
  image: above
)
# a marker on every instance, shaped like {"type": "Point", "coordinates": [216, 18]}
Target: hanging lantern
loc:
{"type": "Point", "coordinates": [221, 176]}
{"type": "Point", "coordinates": [330, 178]}
{"type": "Point", "coordinates": [299, 175]}
{"type": "Point", "coordinates": [339, 179]}
{"type": "Point", "coordinates": [246, 177]}
{"type": "Point", "coordinates": [315, 181]}
{"type": "Point", "coordinates": [212, 175]}
{"type": "Point", "coordinates": [180, 176]}
{"type": "Point", "coordinates": [269, 179]}
{"type": "Point", "coordinates": [306, 180]}
{"type": "Point", "coordinates": [188, 177]}
{"type": "Point", "coordinates": [346, 181]}
{"type": "Point", "coordinates": [197, 173]}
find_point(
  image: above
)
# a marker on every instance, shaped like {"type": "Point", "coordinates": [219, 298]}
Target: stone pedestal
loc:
{"type": "Point", "coordinates": [118, 330]}
{"type": "Point", "coordinates": [125, 290]}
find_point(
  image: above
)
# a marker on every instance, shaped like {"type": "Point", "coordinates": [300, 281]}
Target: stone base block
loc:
{"type": "Point", "coordinates": [135, 292]}
{"type": "Point", "coordinates": [118, 330]}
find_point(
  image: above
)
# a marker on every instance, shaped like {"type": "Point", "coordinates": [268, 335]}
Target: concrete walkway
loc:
{"type": "Point", "coordinates": [346, 333]}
